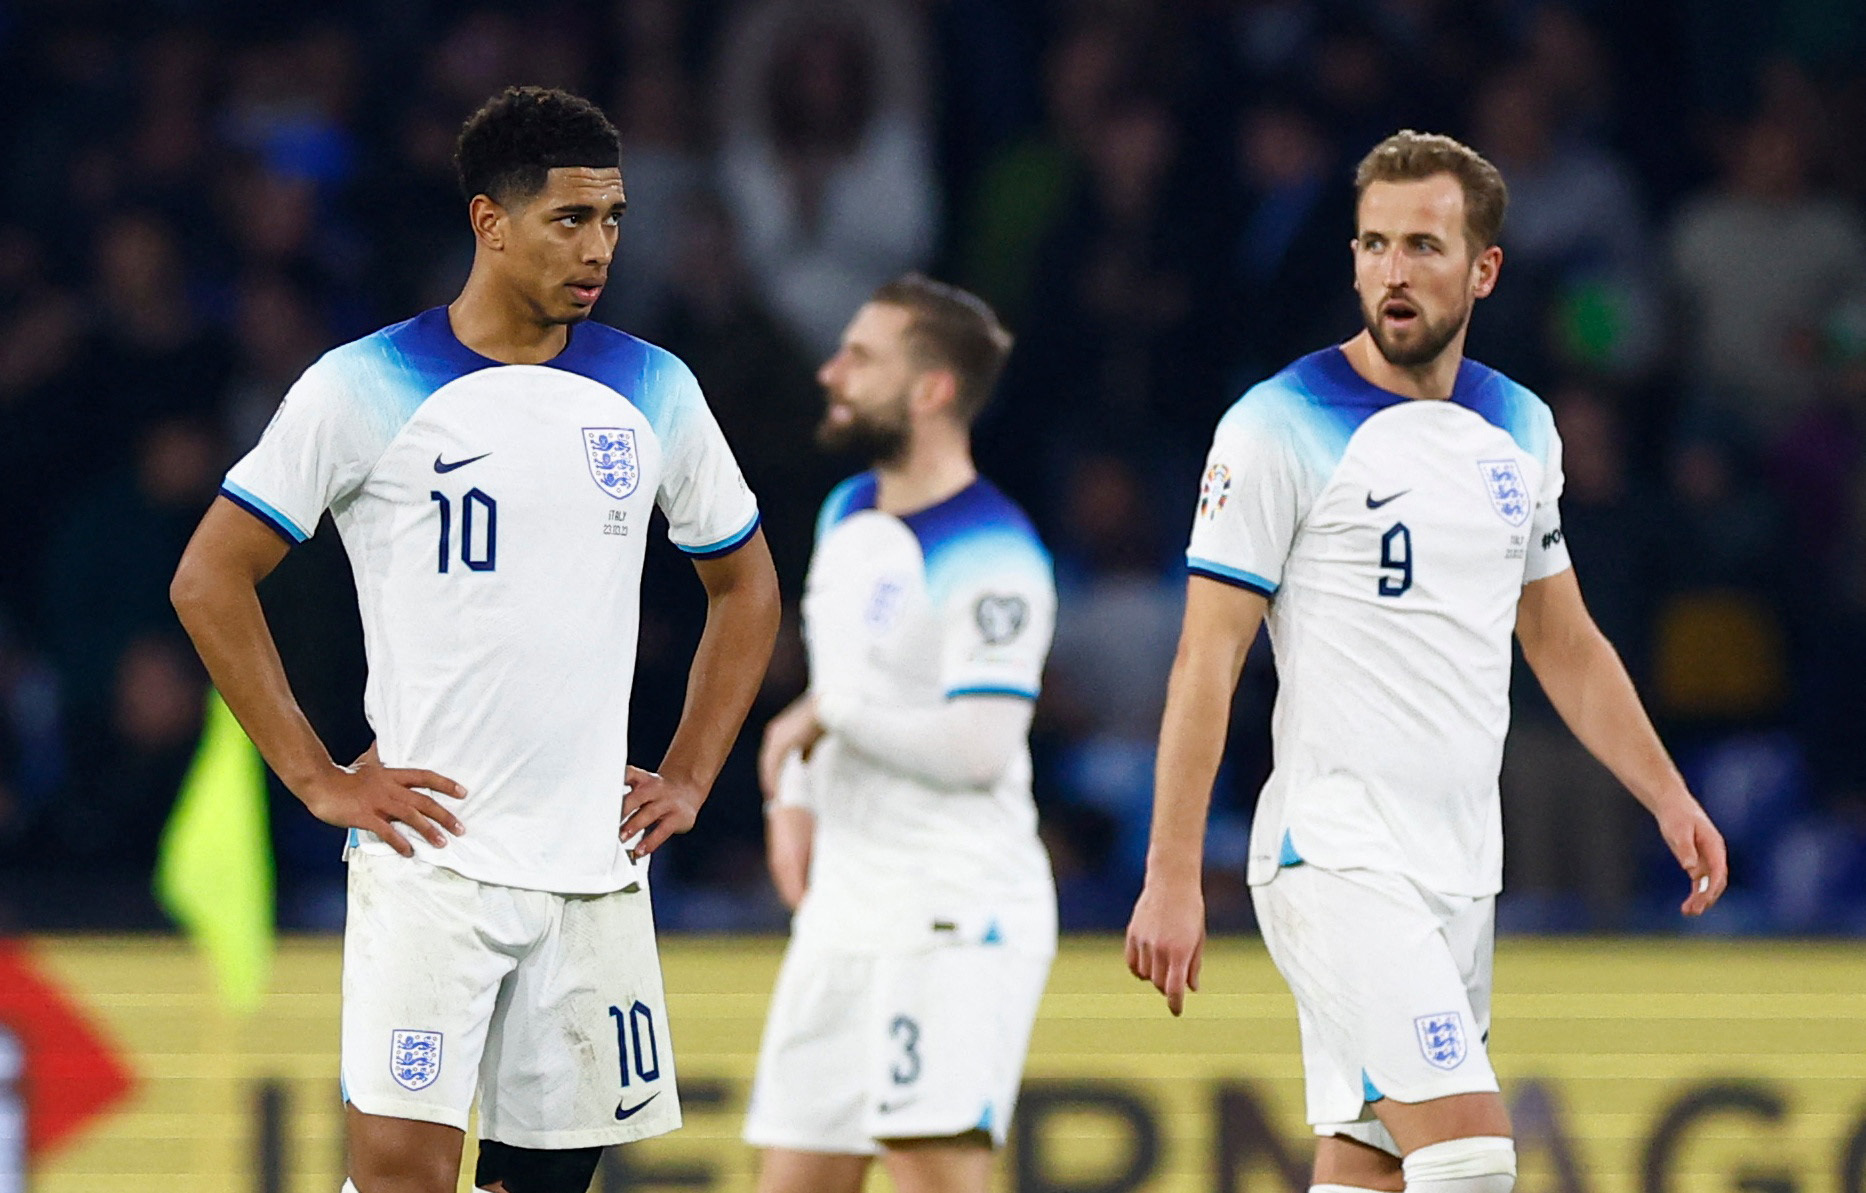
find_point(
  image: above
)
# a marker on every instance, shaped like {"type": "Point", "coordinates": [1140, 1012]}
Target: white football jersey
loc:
{"type": "Point", "coordinates": [495, 516]}
{"type": "Point", "coordinates": [1394, 538]}
{"type": "Point", "coordinates": [956, 600]}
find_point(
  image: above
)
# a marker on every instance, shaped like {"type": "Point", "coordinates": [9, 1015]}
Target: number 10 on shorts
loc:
{"type": "Point", "coordinates": [635, 1037]}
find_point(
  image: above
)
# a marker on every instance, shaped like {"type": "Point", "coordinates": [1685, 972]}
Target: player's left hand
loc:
{"type": "Point", "coordinates": [657, 808]}
{"type": "Point", "coordinates": [1699, 848]}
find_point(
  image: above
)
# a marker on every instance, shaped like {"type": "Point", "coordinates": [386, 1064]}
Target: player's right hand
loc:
{"type": "Point", "coordinates": [796, 728]}
{"type": "Point", "coordinates": [1166, 940]}
{"type": "Point", "coordinates": [375, 797]}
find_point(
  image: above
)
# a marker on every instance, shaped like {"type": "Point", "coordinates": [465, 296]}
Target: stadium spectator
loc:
{"type": "Point", "coordinates": [276, 333]}
{"type": "Point", "coordinates": [1575, 223]}
{"type": "Point", "coordinates": [151, 352]}
{"type": "Point", "coordinates": [826, 154]}
{"type": "Point", "coordinates": [1760, 262]}
{"type": "Point", "coordinates": [41, 338]}
{"type": "Point", "coordinates": [1118, 346]}
{"type": "Point", "coordinates": [1293, 207]}
{"type": "Point", "coordinates": [715, 319]}
{"type": "Point", "coordinates": [1023, 186]}
{"type": "Point", "coordinates": [655, 109]}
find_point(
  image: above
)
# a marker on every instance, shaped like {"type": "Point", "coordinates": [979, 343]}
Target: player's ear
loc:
{"type": "Point", "coordinates": [489, 220]}
{"type": "Point", "coordinates": [935, 390]}
{"type": "Point", "coordinates": [1489, 263]}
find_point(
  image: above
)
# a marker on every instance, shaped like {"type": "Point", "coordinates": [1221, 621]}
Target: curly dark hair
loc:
{"type": "Point", "coordinates": [520, 135]}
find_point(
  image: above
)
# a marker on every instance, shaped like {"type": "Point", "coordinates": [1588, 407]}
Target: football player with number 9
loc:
{"type": "Point", "coordinates": [1390, 508]}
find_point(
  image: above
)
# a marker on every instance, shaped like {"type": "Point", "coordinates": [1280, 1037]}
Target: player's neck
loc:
{"type": "Point", "coordinates": [934, 468]}
{"type": "Point", "coordinates": [499, 327]}
{"type": "Point", "coordinates": [1433, 380]}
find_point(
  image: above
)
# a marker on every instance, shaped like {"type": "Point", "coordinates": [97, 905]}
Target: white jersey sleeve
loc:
{"type": "Point", "coordinates": [317, 452]}
{"type": "Point", "coordinates": [710, 509]}
{"type": "Point", "coordinates": [1548, 552]}
{"type": "Point", "coordinates": [1251, 500]}
{"type": "Point", "coordinates": [996, 602]}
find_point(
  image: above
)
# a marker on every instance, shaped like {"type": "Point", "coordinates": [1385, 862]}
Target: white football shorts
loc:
{"type": "Point", "coordinates": [550, 1006]}
{"type": "Point", "coordinates": [1392, 986]}
{"type": "Point", "coordinates": [860, 1048]}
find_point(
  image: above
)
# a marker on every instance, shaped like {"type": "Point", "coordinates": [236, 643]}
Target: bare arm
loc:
{"type": "Point", "coordinates": [1588, 685]}
{"type": "Point", "coordinates": [215, 595]}
{"type": "Point", "coordinates": [790, 826]}
{"type": "Point", "coordinates": [1166, 937]}
{"type": "Point", "coordinates": [789, 830]}
{"type": "Point", "coordinates": [741, 625]}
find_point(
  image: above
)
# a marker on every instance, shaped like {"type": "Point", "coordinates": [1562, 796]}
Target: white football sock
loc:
{"type": "Point", "coordinates": [1480, 1164]}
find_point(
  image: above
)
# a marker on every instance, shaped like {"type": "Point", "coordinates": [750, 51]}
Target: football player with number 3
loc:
{"type": "Point", "coordinates": [492, 467]}
{"type": "Point", "coordinates": [901, 826]}
{"type": "Point", "coordinates": [1391, 508]}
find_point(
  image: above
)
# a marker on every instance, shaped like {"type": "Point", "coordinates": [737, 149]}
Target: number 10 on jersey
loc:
{"type": "Point", "coordinates": [479, 535]}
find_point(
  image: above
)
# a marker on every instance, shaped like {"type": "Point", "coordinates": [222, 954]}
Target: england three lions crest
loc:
{"type": "Point", "coordinates": [613, 460]}
{"type": "Point", "coordinates": [1441, 1038]}
{"type": "Point", "coordinates": [1509, 496]}
{"type": "Point", "coordinates": [415, 1058]}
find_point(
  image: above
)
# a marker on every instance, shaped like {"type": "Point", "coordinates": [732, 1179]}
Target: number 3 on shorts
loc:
{"type": "Point", "coordinates": [906, 1032]}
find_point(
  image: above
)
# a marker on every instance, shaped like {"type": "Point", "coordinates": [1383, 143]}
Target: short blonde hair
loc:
{"type": "Point", "coordinates": [1409, 156]}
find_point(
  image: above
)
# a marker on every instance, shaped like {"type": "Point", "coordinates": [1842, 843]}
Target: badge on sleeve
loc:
{"type": "Point", "coordinates": [1001, 618]}
{"type": "Point", "coordinates": [1214, 490]}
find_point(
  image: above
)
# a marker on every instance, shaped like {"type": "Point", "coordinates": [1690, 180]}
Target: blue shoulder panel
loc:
{"type": "Point", "coordinates": [976, 531]}
{"type": "Point", "coordinates": [1503, 403]}
{"type": "Point", "coordinates": [653, 379]}
{"type": "Point", "coordinates": [852, 496]}
{"type": "Point", "coordinates": [426, 348]}
{"type": "Point", "coordinates": [1315, 406]}
{"type": "Point", "coordinates": [393, 371]}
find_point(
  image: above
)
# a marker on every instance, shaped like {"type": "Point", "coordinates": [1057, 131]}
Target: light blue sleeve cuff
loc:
{"type": "Point", "coordinates": [1225, 574]}
{"type": "Point", "coordinates": [265, 511]}
{"type": "Point", "coordinates": [729, 544]}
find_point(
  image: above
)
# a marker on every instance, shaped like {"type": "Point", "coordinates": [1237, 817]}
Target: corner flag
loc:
{"type": "Point", "coordinates": [214, 870]}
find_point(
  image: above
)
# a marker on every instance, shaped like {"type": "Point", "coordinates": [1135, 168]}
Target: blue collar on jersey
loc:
{"type": "Point", "coordinates": [978, 503]}
{"type": "Point", "coordinates": [1330, 377]}
{"type": "Point", "coordinates": [431, 334]}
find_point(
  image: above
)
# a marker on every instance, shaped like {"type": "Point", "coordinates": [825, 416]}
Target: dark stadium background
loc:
{"type": "Point", "coordinates": [197, 198]}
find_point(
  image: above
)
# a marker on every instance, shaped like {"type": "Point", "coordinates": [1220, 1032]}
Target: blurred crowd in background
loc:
{"type": "Point", "coordinates": [197, 198]}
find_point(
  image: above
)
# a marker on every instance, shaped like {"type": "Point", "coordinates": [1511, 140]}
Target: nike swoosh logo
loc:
{"type": "Point", "coordinates": [623, 1112]}
{"type": "Point", "coordinates": [440, 467]}
{"type": "Point", "coordinates": [1374, 505]}
{"type": "Point", "coordinates": [891, 1107]}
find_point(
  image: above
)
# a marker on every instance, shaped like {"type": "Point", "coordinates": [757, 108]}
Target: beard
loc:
{"type": "Point", "coordinates": [879, 437]}
{"type": "Point", "coordinates": [1433, 339]}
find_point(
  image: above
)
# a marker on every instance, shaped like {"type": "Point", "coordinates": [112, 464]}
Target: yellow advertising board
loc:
{"type": "Point", "coordinates": [1631, 1067]}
